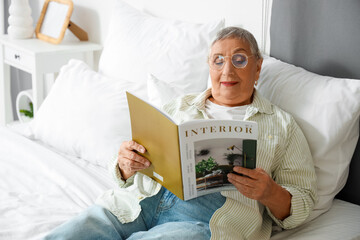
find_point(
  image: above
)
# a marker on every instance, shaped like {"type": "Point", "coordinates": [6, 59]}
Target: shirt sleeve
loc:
{"type": "Point", "coordinates": [116, 174]}
{"type": "Point", "coordinates": [296, 174]}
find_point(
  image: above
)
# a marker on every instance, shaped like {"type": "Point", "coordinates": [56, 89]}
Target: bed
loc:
{"type": "Point", "coordinates": [56, 166]}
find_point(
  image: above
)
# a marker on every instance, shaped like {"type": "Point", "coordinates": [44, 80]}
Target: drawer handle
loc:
{"type": "Point", "coordinates": [17, 56]}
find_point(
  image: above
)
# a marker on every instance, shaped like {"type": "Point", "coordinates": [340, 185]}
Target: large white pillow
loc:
{"type": "Point", "coordinates": [139, 44]}
{"type": "Point", "coordinates": [327, 109]}
{"type": "Point", "coordinates": [160, 92]}
{"type": "Point", "coordinates": [85, 114]}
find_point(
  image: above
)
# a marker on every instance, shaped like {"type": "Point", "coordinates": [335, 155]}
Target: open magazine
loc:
{"type": "Point", "coordinates": [193, 158]}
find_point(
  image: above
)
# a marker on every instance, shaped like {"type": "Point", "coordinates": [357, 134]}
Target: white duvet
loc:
{"type": "Point", "coordinates": [40, 188]}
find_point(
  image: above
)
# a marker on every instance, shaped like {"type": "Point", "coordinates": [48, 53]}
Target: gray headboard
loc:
{"type": "Point", "coordinates": [322, 36]}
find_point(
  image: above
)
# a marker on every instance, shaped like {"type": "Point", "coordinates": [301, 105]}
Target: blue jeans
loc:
{"type": "Point", "coordinates": [163, 216]}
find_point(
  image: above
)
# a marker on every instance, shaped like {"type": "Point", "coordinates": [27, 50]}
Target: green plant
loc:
{"type": "Point", "coordinates": [205, 166]}
{"type": "Point", "coordinates": [28, 113]}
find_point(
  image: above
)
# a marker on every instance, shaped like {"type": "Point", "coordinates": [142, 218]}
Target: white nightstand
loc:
{"type": "Point", "coordinates": [38, 58]}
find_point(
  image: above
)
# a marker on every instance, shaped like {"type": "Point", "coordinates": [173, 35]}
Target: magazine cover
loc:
{"type": "Point", "coordinates": [209, 151]}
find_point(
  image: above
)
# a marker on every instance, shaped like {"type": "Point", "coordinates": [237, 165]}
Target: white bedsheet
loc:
{"type": "Point", "coordinates": [40, 189]}
{"type": "Point", "coordinates": [341, 222]}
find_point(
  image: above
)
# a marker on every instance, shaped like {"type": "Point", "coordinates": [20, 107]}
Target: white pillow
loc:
{"type": "Point", "coordinates": [327, 109]}
{"type": "Point", "coordinates": [160, 92]}
{"type": "Point", "coordinates": [139, 44]}
{"type": "Point", "coordinates": [85, 114]}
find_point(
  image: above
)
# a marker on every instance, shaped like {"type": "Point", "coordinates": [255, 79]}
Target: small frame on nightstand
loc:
{"type": "Point", "coordinates": [55, 19]}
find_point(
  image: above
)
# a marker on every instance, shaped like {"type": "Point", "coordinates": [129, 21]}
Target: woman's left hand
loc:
{"type": "Point", "coordinates": [258, 185]}
{"type": "Point", "coordinates": [255, 184]}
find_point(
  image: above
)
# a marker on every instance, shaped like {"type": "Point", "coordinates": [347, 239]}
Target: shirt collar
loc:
{"type": "Point", "coordinates": [259, 103]}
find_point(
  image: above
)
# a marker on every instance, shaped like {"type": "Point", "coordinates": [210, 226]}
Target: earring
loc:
{"type": "Point", "coordinates": [256, 82]}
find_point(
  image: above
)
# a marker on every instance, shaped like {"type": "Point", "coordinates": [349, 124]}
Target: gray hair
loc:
{"type": "Point", "coordinates": [241, 34]}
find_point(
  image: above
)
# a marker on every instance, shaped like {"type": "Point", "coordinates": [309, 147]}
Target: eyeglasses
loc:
{"type": "Point", "coordinates": [238, 60]}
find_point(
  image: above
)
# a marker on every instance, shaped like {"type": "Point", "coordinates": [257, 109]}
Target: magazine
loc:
{"type": "Point", "coordinates": [193, 158]}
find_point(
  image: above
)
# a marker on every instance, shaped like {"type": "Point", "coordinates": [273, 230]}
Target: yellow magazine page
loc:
{"type": "Point", "coordinates": [159, 135]}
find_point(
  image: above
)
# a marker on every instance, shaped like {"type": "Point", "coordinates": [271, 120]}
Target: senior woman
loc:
{"type": "Point", "coordinates": [281, 189]}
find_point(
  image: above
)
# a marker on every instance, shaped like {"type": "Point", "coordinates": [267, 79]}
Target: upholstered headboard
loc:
{"type": "Point", "coordinates": [322, 36]}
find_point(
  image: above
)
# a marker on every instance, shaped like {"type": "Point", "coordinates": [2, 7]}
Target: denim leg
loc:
{"type": "Point", "coordinates": [98, 223]}
{"type": "Point", "coordinates": [163, 216]}
{"type": "Point", "coordinates": [198, 209]}
{"type": "Point", "coordinates": [94, 223]}
{"type": "Point", "coordinates": [177, 219]}
{"type": "Point", "coordinates": [150, 208]}
{"type": "Point", "coordinates": [175, 230]}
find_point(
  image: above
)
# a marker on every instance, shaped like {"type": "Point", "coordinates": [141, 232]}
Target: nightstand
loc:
{"type": "Point", "coordinates": [37, 58]}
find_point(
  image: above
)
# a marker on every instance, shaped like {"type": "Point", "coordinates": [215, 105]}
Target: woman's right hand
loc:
{"type": "Point", "coordinates": [129, 161]}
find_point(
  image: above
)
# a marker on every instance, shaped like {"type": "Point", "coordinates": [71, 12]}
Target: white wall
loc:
{"type": "Point", "coordinates": [94, 15]}
{"type": "Point", "coordinates": [86, 14]}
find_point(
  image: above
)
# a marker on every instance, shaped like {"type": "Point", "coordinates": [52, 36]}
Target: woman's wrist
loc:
{"type": "Point", "coordinates": [125, 175]}
{"type": "Point", "coordinates": [279, 203]}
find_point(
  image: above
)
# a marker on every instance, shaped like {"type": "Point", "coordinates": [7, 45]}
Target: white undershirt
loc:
{"type": "Point", "coordinates": [216, 111]}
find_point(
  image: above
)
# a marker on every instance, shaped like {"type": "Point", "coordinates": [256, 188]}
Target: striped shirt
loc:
{"type": "Point", "coordinates": [282, 151]}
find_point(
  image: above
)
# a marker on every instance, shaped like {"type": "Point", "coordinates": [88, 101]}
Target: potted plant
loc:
{"type": "Point", "coordinates": [28, 113]}
{"type": "Point", "coordinates": [24, 106]}
{"type": "Point", "coordinates": [205, 167]}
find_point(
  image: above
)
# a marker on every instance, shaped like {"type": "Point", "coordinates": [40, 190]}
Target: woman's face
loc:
{"type": "Point", "coordinates": [233, 86]}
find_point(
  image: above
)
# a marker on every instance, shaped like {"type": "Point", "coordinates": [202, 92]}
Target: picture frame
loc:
{"type": "Point", "coordinates": [55, 19]}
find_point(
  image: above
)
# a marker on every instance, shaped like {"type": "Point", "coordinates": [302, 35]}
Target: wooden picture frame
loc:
{"type": "Point", "coordinates": [55, 19]}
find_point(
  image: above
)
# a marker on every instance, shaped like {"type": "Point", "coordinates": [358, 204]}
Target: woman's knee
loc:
{"type": "Point", "coordinates": [94, 223]}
